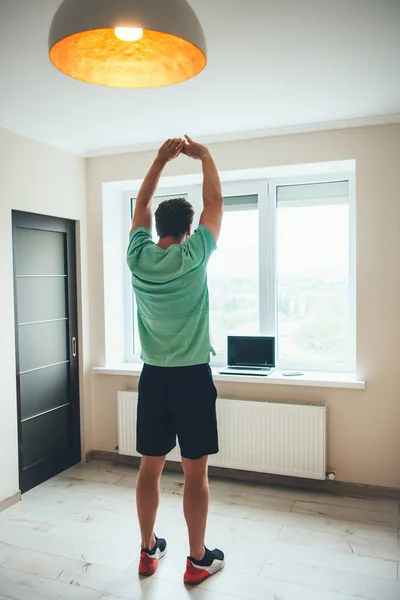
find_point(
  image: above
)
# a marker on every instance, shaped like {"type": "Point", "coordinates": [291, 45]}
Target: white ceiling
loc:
{"type": "Point", "coordinates": [271, 64]}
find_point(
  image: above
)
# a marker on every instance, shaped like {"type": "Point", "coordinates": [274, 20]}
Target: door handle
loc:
{"type": "Point", "coordinates": [73, 347]}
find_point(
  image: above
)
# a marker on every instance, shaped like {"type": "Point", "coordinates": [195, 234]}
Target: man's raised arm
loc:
{"type": "Point", "coordinates": [142, 216]}
{"type": "Point", "coordinates": [211, 217]}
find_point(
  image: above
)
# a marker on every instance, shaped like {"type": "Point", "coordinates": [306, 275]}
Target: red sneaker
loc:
{"type": "Point", "coordinates": [198, 571]}
{"type": "Point", "coordinates": [149, 558]}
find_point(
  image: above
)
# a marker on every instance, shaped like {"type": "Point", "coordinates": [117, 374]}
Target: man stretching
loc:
{"type": "Point", "coordinates": [177, 395]}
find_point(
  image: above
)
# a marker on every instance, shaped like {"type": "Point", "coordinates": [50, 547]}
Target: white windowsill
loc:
{"type": "Point", "coordinates": [309, 379]}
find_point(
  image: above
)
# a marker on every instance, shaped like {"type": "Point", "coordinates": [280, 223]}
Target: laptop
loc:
{"type": "Point", "coordinates": [250, 355]}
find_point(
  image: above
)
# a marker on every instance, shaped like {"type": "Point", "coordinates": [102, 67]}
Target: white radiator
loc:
{"type": "Point", "coordinates": [268, 437]}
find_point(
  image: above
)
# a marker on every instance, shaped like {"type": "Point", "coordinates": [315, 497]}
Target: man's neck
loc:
{"type": "Point", "coordinates": [167, 241]}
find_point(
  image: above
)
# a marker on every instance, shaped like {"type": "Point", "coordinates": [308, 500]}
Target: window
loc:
{"type": "Point", "coordinates": [313, 309]}
{"type": "Point", "coordinates": [285, 267]}
{"type": "Point", "coordinates": [233, 273]}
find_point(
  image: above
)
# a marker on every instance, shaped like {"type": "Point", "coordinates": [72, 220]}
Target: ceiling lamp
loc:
{"type": "Point", "coordinates": [127, 43]}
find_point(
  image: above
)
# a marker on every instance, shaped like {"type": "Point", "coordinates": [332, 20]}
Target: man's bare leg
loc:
{"type": "Point", "coordinates": [195, 503]}
{"type": "Point", "coordinates": [202, 562]}
{"type": "Point", "coordinates": [148, 497]}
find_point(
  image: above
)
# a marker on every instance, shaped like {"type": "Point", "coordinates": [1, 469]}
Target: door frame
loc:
{"type": "Point", "coordinates": [27, 220]}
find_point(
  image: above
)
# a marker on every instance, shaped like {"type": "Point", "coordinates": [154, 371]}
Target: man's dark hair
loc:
{"type": "Point", "coordinates": [174, 217]}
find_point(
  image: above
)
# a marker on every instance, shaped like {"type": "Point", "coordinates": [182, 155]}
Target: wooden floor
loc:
{"type": "Point", "coordinates": [76, 538]}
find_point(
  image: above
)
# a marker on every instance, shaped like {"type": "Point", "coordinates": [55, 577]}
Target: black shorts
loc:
{"type": "Point", "coordinates": [177, 401]}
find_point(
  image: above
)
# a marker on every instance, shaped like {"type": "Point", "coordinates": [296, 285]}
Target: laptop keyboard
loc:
{"type": "Point", "coordinates": [258, 369]}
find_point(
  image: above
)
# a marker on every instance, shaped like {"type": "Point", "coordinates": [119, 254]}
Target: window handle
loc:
{"type": "Point", "coordinates": [73, 347]}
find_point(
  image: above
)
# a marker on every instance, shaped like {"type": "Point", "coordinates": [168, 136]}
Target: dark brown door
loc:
{"type": "Point", "coordinates": [46, 346]}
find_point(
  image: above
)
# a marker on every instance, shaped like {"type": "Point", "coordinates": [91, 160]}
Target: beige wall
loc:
{"type": "Point", "coordinates": [364, 426]}
{"type": "Point", "coordinates": [33, 178]}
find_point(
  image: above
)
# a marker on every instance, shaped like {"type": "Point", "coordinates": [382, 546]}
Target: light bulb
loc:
{"type": "Point", "coordinates": [129, 34]}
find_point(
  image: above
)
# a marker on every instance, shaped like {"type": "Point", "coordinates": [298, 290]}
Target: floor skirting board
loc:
{"type": "Point", "coordinates": [10, 501]}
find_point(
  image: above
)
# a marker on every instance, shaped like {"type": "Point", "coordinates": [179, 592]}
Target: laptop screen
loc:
{"type": "Point", "coordinates": [251, 351]}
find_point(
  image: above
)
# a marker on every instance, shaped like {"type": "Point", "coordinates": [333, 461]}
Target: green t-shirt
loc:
{"type": "Point", "coordinates": [172, 298]}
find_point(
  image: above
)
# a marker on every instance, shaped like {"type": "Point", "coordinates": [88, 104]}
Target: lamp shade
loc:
{"type": "Point", "coordinates": [127, 43]}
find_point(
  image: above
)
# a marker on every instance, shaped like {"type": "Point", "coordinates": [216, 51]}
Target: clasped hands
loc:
{"type": "Point", "coordinates": [172, 148]}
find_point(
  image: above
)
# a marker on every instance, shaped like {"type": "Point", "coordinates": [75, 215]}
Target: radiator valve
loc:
{"type": "Point", "coordinates": [331, 475]}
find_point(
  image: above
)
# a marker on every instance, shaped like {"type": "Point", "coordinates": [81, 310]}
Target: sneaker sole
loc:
{"type": "Point", "coordinates": [149, 571]}
{"type": "Point", "coordinates": [190, 579]}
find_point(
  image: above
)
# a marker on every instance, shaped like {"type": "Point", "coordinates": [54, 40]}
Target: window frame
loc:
{"type": "Point", "coordinates": [257, 187]}
{"type": "Point", "coordinates": [266, 190]}
{"type": "Point", "coordinates": [350, 366]}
